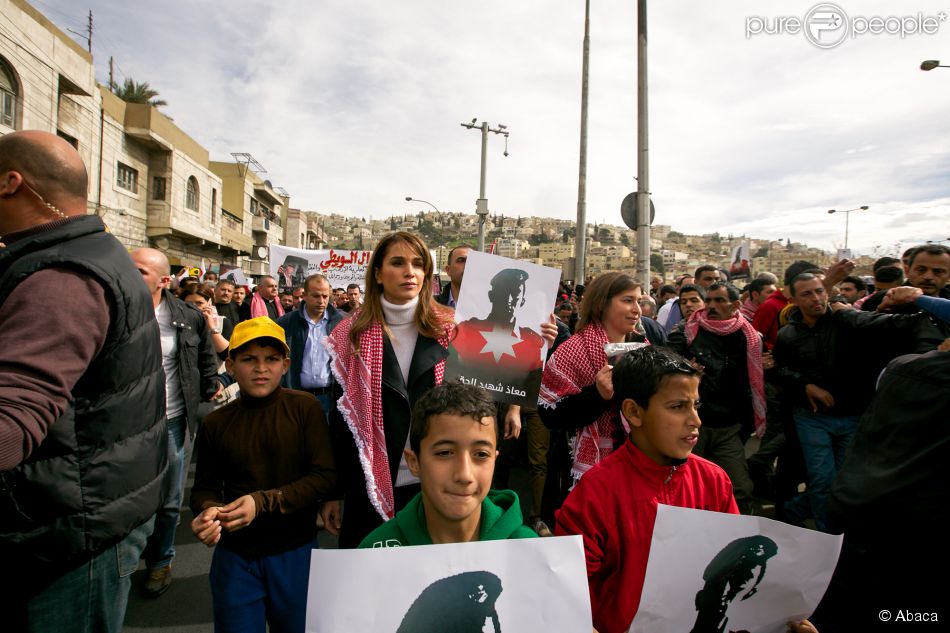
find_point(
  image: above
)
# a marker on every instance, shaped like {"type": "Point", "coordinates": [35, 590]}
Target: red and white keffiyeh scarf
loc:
{"type": "Point", "coordinates": [259, 308]}
{"type": "Point", "coordinates": [573, 366]}
{"type": "Point", "coordinates": [361, 376]}
{"type": "Point", "coordinates": [753, 355]}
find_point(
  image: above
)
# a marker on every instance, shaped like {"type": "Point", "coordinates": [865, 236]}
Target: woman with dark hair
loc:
{"type": "Point", "coordinates": [390, 351]}
{"type": "Point", "coordinates": [576, 388]}
{"type": "Point", "coordinates": [202, 298]}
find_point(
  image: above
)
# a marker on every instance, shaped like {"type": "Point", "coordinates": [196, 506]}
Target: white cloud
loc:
{"type": "Point", "coordinates": [354, 105]}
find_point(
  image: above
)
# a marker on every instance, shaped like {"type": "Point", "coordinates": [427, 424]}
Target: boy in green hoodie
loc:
{"type": "Point", "coordinates": [452, 449]}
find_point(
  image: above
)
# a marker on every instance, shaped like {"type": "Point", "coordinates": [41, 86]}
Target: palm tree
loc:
{"type": "Point", "coordinates": [133, 92]}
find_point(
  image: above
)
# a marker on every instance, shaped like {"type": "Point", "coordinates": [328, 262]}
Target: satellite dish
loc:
{"type": "Point", "coordinates": [628, 211]}
{"type": "Point", "coordinates": [161, 243]}
{"type": "Point", "coordinates": [262, 252]}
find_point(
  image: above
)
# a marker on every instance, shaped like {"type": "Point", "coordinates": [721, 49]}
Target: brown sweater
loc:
{"type": "Point", "coordinates": [276, 449]}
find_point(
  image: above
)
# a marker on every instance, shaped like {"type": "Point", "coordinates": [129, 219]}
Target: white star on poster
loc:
{"type": "Point", "coordinates": [499, 341]}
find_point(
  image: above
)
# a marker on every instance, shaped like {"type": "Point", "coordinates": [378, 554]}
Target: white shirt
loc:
{"type": "Point", "coordinates": [174, 398]}
{"type": "Point", "coordinates": [315, 369]}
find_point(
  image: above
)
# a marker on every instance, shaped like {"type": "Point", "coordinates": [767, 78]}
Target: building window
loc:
{"type": "Point", "coordinates": [8, 95]}
{"type": "Point", "coordinates": [191, 194]}
{"type": "Point", "coordinates": [214, 204]}
{"type": "Point", "coordinates": [127, 178]}
{"type": "Point", "coordinates": [254, 207]}
{"type": "Point", "coordinates": [158, 188]}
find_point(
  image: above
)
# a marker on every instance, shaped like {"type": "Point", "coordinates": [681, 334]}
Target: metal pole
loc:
{"type": "Point", "coordinates": [481, 187]}
{"type": "Point", "coordinates": [847, 216]}
{"type": "Point", "coordinates": [643, 163]}
{"type": "Point", "coordinates": [580, 243]}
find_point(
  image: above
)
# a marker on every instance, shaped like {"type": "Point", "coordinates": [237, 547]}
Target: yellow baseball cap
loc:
{"type": "Point", "coordinates": [260, 327]}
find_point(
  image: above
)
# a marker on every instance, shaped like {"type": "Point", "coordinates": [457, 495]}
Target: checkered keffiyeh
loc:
{"type": "Point", "coordinates": [361, 376]}
{"type": "Point", "coordinates": [753, 355]}
{"type": "Point", "coordinates": [573, 366]}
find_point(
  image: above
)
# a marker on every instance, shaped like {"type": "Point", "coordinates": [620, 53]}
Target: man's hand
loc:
{"type": "Point", "coordinates": [549, 331]}
{"type": "Point", "coordinates": [818, 396]}
{"type": "Point", "coordinates": [332, 513]}
{"type": "Point", "coordinates": [945, 346]}
{"type": "Point", "coordinates": [836, 273]}
{"type": "Point", "coordinates": [207, 527]}
{"type": "Point", "coordinates": [513, 422]}
{"type": "Point", "coordinates": [837, 306]}
{"type": "Point", "coordinates": [238, 514]}
{"type": "Point", "coordinates": [899, 296]}
{"type": "Point", "coordinates": [802, 627]}
{"type": "Point", "coordinates": [604, 382]}
{"type": "Point", "coordinates": [768, 361]}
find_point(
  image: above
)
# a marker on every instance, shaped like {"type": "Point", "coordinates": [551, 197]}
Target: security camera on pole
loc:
{"type": "Point", "coordinates": [481, 205]}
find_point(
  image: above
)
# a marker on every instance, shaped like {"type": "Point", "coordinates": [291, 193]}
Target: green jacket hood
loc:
{"type": "Point", "coordinates": [501, 519]}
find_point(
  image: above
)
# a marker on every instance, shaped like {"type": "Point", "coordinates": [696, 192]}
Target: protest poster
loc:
{"type": "Point", "coordinates": [498, 345]}
{"type": "Point", "coordinates": [518, 585]}
{"type": "Point", "coordinates": [234, 274]}
{"type": "Point", "coordinates": [741, 256]}
{"type": "Point", "coordinates": [291, 266]}
{"type": "Point", "coordinates": [734, 573]}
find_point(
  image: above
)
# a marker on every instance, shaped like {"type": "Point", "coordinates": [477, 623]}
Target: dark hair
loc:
{"type": "Point", "coordinates": [639, 373]}
{"type": "Point", "coordinates": [666, 289]}
{"type": "Point", "coordinates": [448, 259]}
{"type": "Point", "coordinates": [704, 269]}
{"type": "Point", "coordinates": [693, 288]}
{"type": "Point", "coordinates": [885, 261]}
{"type": "Point", "coordinates": [797, 268]}
{"type": "Point", "coordinates": [194, 288]}
{"type": "Point", "coordinates": [227, 282]}
{"type": "Point", "coordinates": [357, 286]}
{"type": "Point", "coordinates": [731, 291]}
{"type": "Point", "coordinates": [859, 284]}
{"type": "Point", "coordinates": [566, 306]}
{"type": "Point", "coordinates": [801, 277]}
{"type": "Point", "coordinates": [509, 278]}
{"type": "Point", "coordinates": [908, 252]}
{"type": "Point", "coordinates": [599, 294]}
{"type": "Point", "coordinates": [453, 398]}
{"type": "Point", "coordinates": [889, 274]}
{"type": "Point", "coordinates": [930, 249]}
{"type": "Point", "coordinates": [757, 284]}
{"type": "Point", "coordinates": [286, 292]}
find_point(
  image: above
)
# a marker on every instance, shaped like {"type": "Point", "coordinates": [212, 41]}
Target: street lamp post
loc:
{"type": "Point", "coordinates": [441, 216]}
{"type": "Point", "coordinates": [847, 214]}
{"type": "Point", "coordinates": [930, 64]}
{"type": "Point", "coordinates": [481, 205]}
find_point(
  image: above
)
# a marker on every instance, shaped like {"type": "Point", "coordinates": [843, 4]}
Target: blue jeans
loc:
{"type": "Point", "coordinates": [824, 440]}
{"type": "Point", "coordinates": [247, 592]}
{"type": "Point", "coordinates": [91, 598]}
{"type": "Point", "coordinates": [161, 545]}
{"type": "Point", "coordinates": [324, 400]}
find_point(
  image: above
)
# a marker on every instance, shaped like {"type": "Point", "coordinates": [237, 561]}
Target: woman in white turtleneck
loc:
{"type": "Point", "coordinates": [384, 356]}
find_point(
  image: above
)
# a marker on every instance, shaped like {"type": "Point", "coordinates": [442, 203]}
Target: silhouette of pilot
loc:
{"type": "Point", "coordinates": [739, 567]}
{"type": "Point", "coordinates": [463, 603]}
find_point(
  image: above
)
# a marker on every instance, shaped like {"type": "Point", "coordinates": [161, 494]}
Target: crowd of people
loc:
{"type": "Point", "coordinates": [317, 407]}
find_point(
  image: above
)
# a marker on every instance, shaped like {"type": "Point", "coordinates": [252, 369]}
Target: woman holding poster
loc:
{"type": "Point", "coordinates": [389, 352]}
{"type": "Point", "coordinates": [576, 388]}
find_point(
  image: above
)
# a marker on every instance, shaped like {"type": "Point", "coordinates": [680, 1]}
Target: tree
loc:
{"type": "Point", "coordinates": [133, 92]}
{"type": "Point", "coordinates": [656, 262]}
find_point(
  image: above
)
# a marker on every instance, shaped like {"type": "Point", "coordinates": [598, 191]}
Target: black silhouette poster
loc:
{"type": "Point", "coordinates": [517, 586]}
{"type": "Point", "coordinates": [738, 573]}
{"type": "Point", "coordinates": [497, 343]}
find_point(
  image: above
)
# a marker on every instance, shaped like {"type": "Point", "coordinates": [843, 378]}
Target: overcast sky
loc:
{"type": "Point", "coordinates": [353, 105]}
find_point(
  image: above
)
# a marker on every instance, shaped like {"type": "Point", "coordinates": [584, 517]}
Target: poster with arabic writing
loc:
{"type": "Point", "coordinates": [291, 266]}
{"type": "Point", "coordinates": [499, 312]}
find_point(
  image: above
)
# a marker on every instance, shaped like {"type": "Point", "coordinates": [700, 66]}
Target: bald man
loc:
{"type": "Point", "coordinates": [191, 375]}
{"type": "Point", "coordinates": [82, 426]}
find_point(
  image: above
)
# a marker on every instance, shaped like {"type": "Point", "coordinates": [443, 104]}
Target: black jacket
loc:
{"type": "Point", "coordinates": [359, 516]}
{"type": "Point", "coordinates": [232, 317]}
{"type": "Point", "coordinates": [443, 297]}
{"type": "Point", "coordinates": [724, 389]}
{"type": "Point", "coordinates": [98, 473]}
{"type": "Point", "coordinates": [296, 329]}
{"type": "Point", "coordinates": [844, 354]}
{"type": "Point", "coordinates": [893, 485]}
{"type": "Point", "coordinates": [197, 361]}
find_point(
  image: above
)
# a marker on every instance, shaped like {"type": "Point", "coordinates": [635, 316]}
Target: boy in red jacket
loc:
{"type": "Point", "coordinates": [614, 505]}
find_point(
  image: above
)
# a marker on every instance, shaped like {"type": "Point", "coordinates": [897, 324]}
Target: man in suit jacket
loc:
{"type": "Point", "coordinates": [305, 328]}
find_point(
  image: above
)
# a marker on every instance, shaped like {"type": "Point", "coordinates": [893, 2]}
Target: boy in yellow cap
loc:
{"type": "Point", "coordinates": [264, 463]}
